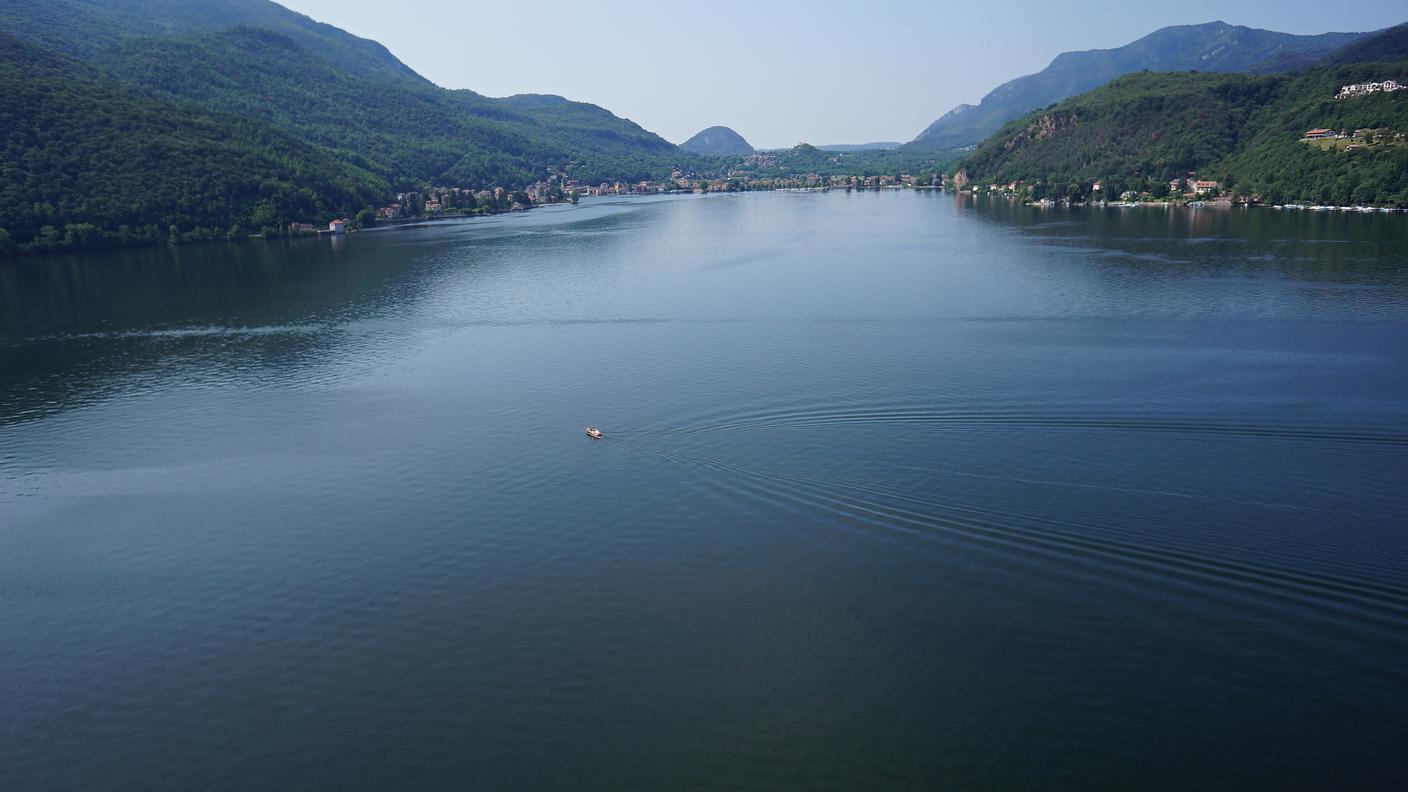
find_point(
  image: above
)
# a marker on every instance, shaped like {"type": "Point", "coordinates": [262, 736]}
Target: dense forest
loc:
{"type": "Point", "coordinates": [1143, 130]}
{"type": "Point", "coordinates": [132, 122]}
{"type": "Point", "coordinates": [411, 132]}
{"type": "Point", "coordinates": [83, 163]}
{"type": "Point", "coordinates": [84, 29]}
{"type": "Point", "coordinates": [1211, 47]}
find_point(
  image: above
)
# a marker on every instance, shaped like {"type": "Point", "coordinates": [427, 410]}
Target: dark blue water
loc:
{"type": "Point", "coordinates": [896, 492]}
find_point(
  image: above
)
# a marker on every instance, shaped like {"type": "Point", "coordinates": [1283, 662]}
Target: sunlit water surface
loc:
{"type": "Point", "coordinates": [896, 492]}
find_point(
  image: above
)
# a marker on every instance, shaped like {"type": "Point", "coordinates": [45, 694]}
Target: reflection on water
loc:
{"type": "Point", "coordinates": [896, 489]}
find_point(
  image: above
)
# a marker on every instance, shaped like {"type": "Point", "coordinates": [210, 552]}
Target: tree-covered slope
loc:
{"type": "Point", "coordinates": [1214, 47]}
{"type": "Point", "coordinates": [1384, 46]}
{"type": "Point", "coordinates": [199, 99]}
{"type": "Point", "coordinates": [1144, 129]}
{"type": "Point", "coordinates": [1273, 164]}
{"type": "Point", "coordinates": [84, 162]}
{"type": "Point", "coordinates": [84, 28]}
{"type": "Point", "coordinates": [258, 59]}
{"type": "Point", "coordinates": [593, 144]}
{"type": "Point", "coordinates": [718, 141]}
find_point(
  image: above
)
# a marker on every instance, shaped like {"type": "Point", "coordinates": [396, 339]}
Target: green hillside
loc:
{"type": "Point", "coordinates": [1210, 47]}
{"type": "Point", "coordinates": [1382, 47]}
{"type": "Point", "coordinates": [83, 162]}
{"type": "Point", "coordinates": [1245, 131]}
{"type": "Point", "coordinates": [318, 120]}
{"type": "Point", "coordinates": [410, 132]}
{"type": "Point", "coordinates": [85, 28]}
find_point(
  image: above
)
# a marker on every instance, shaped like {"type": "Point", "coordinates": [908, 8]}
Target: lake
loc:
{"type": "Point", "coordinates": [897, 490]}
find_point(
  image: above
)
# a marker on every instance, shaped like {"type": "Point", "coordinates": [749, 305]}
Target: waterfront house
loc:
{"type": "Point", "coordinates": [1201, 187]}
{"type": "Point", "coordinates": [338, 226]}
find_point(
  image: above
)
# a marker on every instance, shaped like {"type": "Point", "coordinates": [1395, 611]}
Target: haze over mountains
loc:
{"type": "Point", "coordinates": [1214, 47]}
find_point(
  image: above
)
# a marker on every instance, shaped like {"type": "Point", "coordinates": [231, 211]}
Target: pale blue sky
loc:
{"type": "Point", "coordinates": [781, 72]}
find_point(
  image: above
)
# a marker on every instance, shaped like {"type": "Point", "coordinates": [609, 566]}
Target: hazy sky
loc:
{"type": "Point", "coordinates": [782, 72]}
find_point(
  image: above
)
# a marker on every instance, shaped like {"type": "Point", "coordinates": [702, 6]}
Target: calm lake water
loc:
{"type": "Point", "coordinates": [896, 491]}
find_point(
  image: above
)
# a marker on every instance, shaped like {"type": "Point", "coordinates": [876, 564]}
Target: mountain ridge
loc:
{"type": "Point", "coordinates": [1212, 46]}
{"type": "Point", "coordinates": [83, 28]}
{"type": "Point", "coordinates": [317, 97]}
{"type": "Point", "coordinates": [88, 163]}
{"type": "Point", "coordinates": [1247, 132]}
{"type": "Point", "coordinates": [459, 136]}
{"type": "Point", "coordinates": [1390, 44]}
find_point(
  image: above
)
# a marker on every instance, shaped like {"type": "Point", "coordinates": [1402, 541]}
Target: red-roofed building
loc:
{"type": "Point", "coordinates": [1316, 134]}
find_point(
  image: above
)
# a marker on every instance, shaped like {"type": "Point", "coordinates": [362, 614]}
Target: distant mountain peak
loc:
{"type": "Point", "coordinates": [717, 141]}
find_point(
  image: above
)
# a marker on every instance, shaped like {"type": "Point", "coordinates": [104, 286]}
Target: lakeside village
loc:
{"type": "Point", "coordinates": [1186, 191]}
{"type": "Point", "coordinates": [1189, 190]}
{"type": "Point", "coordinates": [750, 175]}
{"type": "Point", "coordinates": [452, 202]}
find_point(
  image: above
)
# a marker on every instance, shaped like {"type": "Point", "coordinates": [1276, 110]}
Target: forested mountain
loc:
{"type": "Point", "coordinates": [316, 94]}
{"type": "Point", "coordinates": [410, 132]}
{"type": "Point", "coordinates": [1384, 46]}
{"type": "Point", "coordinates": [1211, 47]}
{"type": "Point", "coordinates": [1245, 131]}
{"type": "Point", "coordinates": [84, 28]}
{"type": "Point", "coordinates": [83, 162]}
{"type": "Point", "coordinates": [718, 141]}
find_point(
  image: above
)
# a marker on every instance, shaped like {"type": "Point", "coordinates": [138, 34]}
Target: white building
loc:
{"type": "Point", "coordinates": [1364, 89]}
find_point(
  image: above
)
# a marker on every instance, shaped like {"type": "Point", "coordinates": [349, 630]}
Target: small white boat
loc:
{"type": "Point", "coordinates": [593, 432]}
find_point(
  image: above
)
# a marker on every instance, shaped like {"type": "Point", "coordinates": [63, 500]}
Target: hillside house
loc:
{"type": "Point", "coordinates": [1319, 134]}
{"type": "Point", "coordinates": [1364, 89]}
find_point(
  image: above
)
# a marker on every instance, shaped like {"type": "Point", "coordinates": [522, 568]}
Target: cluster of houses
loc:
{"type": "Point", "coordinates": [1358, 139]}
{"type": "Point", "coordinates": [1189, 188]}
{"type": "Point", "coordinates": [1364, 89]}
{"type": "Point", "coordinates": [449, 200]}
{"type": "Point", "coordinates": [441, 200]}
{"type": "Point", "coordinates": [338, 226]}
{"type": "Point", "coordinates": [1192, 186]}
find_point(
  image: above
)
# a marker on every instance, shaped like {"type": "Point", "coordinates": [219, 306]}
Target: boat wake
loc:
{"type": "Point", "coordinates": [1110, 550]}
{"type": "Point", "coordinates": [1048, 420]}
